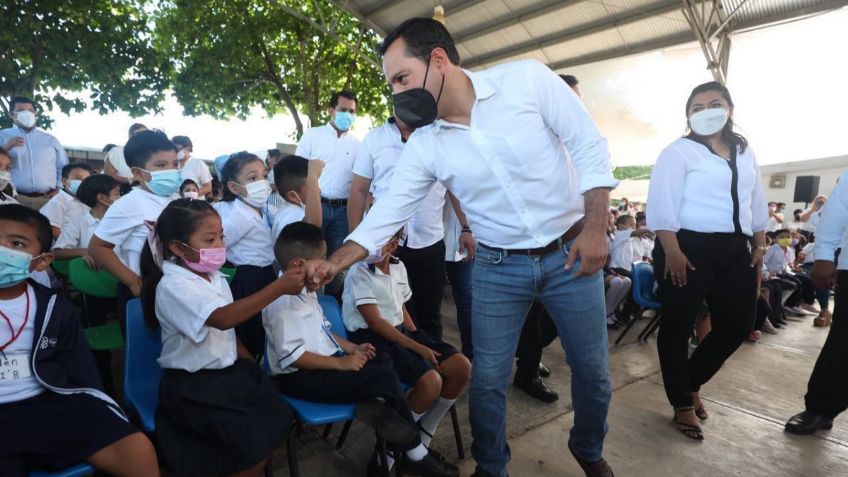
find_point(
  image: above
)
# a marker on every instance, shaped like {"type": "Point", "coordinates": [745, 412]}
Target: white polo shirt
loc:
{"type": "Point", "coordinates": [184, 301]}
{"type": "Point", "coordinates": [376, 159]}
{"type": "Point", "coordinates": [123, 225]}
{"type": "Point", "coordinates": [778, 260]}
{"type": "Point", "coordinates": [295, 324]}
{"type": "Point", "coordinates": [196, 170]}
{"type": "Point", "coordinates": [115, 156]}
{"type": "Point", "coordinates": [338, 154]}
{"type": "Point", "coordinates": [625, 250]}
{"type": "Point", "coordinates": [287, 214]}
{"type": "Point", "coordinates": [77, 233]}
{"type": "Point", "coordinates": [61, 208]}
{"type": "Point", "coordinates": [18, 355]}
{"type": "Point", "coordinates": [367, 285]}
{"type": "Point", "coordinates": [246, 234]}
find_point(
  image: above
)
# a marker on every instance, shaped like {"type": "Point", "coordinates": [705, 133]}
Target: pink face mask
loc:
{"type": "Point", "coordinates": [211, 259]}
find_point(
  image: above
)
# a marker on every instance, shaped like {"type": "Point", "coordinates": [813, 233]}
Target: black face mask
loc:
{"type": "Point", "coordinates": [416, 107]}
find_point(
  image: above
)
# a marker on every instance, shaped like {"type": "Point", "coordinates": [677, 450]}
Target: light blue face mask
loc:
{"type": "Point", "coordinates": [344, 120]}
{"type": "Point", "coordinates": [164, 183]}
{"type": "Point", "coordinates": [14, 266]}
{"type": "Point", "coordinates": [73, 186]}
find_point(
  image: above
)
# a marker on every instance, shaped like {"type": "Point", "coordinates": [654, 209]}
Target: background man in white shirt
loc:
{"type": "Point", "coordinates": [518, 150]}
{"type": "Point", "coordinates": [37, 157]}
{"type": "Point", "coordinates": [827, 392]}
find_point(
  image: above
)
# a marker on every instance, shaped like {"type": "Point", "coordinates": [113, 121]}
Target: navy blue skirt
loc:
{"type": "Point", "coordinates": [250, 279]}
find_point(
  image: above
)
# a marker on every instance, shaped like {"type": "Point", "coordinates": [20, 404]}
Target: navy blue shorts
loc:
{"type": "Point", "coordinates": [53, 431]}
{"type": "Point", "coordinates": [408, 364]}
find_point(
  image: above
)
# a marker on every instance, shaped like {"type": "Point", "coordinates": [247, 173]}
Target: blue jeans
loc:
{"type": "Point", "coordinates": [334, 226]}
{"type": "Point", "coordinates": [459, 274]}
{"type": "Point", "coordinates": [504, 288]}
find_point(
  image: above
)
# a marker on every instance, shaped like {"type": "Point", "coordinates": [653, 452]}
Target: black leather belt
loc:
{"type": "Point", "coordinates": [334, 202]}
{"type": "Point", "coordinates": [35, 194]}
{"type": "Point", "coordinates": [569, 234]}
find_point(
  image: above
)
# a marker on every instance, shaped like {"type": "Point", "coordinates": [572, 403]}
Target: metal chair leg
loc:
{"type": "Point", "coordinates": [626, 329]}
{"type": "Point", "coordinates": [340, 442]}
{"type": "Point", "coordinates": [384, 459]}
{"type": "Point", "coordinates": [294, 469]}
{"type": "Point", "coordinates": [460, 448]}
{"type": "Point", "coordinates": [649, 330]}
{"type": "Point", "coordinates": [327, 429]}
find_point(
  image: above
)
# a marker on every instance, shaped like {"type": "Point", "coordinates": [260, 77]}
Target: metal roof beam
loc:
{"type": "Point", "coordinates": [451, 8]}
{"type": "Point", "coordinates": [525, 14]}
{"type": "Point", "coordinates": [382, 8]}
{"type": "Point", "coordinates": [623, 51]}
{"type": "Point", "coordinates": [554, 39]}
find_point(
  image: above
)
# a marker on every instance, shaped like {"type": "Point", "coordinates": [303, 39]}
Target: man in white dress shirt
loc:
{"type": "Point", "coordinates": [517, 148]}
{"type": "Point", "coordinates": [37, 157]}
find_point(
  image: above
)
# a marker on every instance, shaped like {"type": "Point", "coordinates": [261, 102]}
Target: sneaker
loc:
{"type": "Point", "coordinates": [794, 310]}
{"type": "Point", "coordinates": [430, 466]}
{"type": "Point", "coordinates": [768, 327]}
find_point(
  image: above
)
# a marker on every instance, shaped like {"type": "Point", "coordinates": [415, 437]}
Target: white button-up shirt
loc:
{"type": "Point", "coordinates": [184, 301]}
{"type": "Point", "coordinates": [287, 214]}
{"type": "Point", "coordinates": [338, 154]}
{"type": "Point", "coordinates": [197, 171]}
{"type": "Point", "coordinates": [376, 160]}
{"type": "Point", "coordinates": [37, 164]}
{"type": "Point", "coordinates": [123, 224]}
{"type": "Point", "coordinates": [368, 285]}
{"type": "Point", "coordinates": [247, 234]}
{"type": "Point", "coordinates": [62, 208]}
{"type": "Point", "coordinates": [519, 170]}
{"type": "Point", "coordinates": [295, 324]}
{"type": "Point", "coordinates": [832, 229]}
{"type": "Point", "coordinates": [690, 189]}
{"type": "Point", "coordinates": [77, 233]}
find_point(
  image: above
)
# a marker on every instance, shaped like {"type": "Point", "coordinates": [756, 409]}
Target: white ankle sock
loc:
{"type": "Point", "coordinates": [433, 417]}
{"type": "Point", "coordinates": [416, 417]}
{"type": "Point", "coordinates": [418, 453]}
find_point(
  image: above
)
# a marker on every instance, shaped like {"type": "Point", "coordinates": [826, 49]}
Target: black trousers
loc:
{"type": "Point", "coordinates": [425, 268]}
{"type": "Point", "coordinates": [723, 277]}
{"type": "Point", "coordinates": [804, 292]}
{"type": "Point", "coordinates": [539, 331]}
{"type": "Point", "coordinates": [827, 392]}
{"type": "Point", "coordinates": [339, 387]}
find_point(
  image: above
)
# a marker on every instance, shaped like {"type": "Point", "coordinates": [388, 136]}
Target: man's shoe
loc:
{"type": "Point", "coordinates": [807, 423]}
{"type": "Point", "coordinates": [535, 387]}
{"type": "Point", "coordinates": [593, 469]}
{"type": "Point", "coordinates": [429, 466]}
{"type": "Point", "coordinates": [544, 371]}
{"type": "Point", "coordinates": [387, 422]}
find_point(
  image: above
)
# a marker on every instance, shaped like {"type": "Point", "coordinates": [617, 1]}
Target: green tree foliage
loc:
{"type": "Point", "coordinates": [632, 172]}
{"type": "Point", "coordinates": [53, 51]}
{"type": "Point", "coordinates": [280, 55]}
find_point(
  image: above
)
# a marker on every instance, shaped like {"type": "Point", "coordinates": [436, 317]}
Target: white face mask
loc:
{"type": "Point", "coordinates": [708, 121]}
{"type": "Point", "coordinates": [181, 155]}
{"type": "Point", "coordinates": [257, 192]}
{"type": "Point", "coordinates": [190, 194]}
{"type": "Point", "coordinates": [25, 118]}
{"type": "Point", "coordinates": [5, 179]}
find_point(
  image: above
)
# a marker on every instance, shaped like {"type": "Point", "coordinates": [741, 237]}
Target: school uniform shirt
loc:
{"type": "Point", "coordinates": [519, 170]}
{"type": "Point", "coordinates": [246, 234]}
{"type": "Point", "coordinates": [832, 230]}
{"type": "Point", "coordinates": [287, 214]}
{"type": "Point", "coordinates": [377, 159]}
{"type": "Point", "coordinates": [18, 354]}
{"type": "Point", "coordinates": [624, 250]}
{"type": "Point", "coordinates": [77, 233]}
{"type": "Point", "coordinates": [63, 207]}
{"type": "Point", "coordinates": [196, 170]}
{"type": "Point", "coordinates": [690, 188]}
{"type": "Point", "coordinates": [295, 324]}
{"type": "Point", "coordinates": [6, 199]}
{"type": "Point", "coordinates": [115, 156]}
{"type": "Point", "coordinates": [812, 222]}
{"type": "Point", "coordinates": [648, 245]}
{"type": "Point", "coordinates": [338, 154]}
{"type": "Point", "coordinates": [774, 225]}
{"type": "Point", "coordinates": [37, 164]}
{"type": "Point", "coordinates": [809, 252]}
{"type": "Point", "coordinates": [368, 285]}
{"type": "Point", "coordinates": [778, 260]}
{"type": "Point", "coordinates": [184, 301]}
{"type": "Point", "coordinates": [123, 224]}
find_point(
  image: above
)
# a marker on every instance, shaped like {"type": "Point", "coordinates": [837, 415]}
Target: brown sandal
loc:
{"type": "Point", "coordinates": [701, 412]}
{"type": "Point", "coordinates": [691, 431]}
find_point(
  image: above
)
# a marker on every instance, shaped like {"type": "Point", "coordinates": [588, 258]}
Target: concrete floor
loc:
{"type": "Point", "coordinates": [749, 400]}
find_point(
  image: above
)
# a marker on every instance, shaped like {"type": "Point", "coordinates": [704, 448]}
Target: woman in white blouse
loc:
{"type": "Point", "coordinates": [708, 209]}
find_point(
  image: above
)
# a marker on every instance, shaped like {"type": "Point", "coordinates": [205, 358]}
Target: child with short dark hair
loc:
{"type": "Point", "coordinates": [310, 362]}
{"type": "Point", "coordinates": [218, 413]}
{"type": "Point", "coordinates": [189, 190]}
{"type": "Point", "coordinates": [48, 379]}
{"type": "Point", "coordinates": [96, 192]}
{"type": "Point", "coordinates": [374, 312]}
{"type": "Point", "coordinates": [296, 179]}
{"type": "Point", "coordinates": [7, 189]}
{"type": "Point", "coordinates": [64, 206]}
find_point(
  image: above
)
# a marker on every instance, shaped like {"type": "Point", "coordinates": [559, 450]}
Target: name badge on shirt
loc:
{"type": "Point", "coordinates": [14, 367]}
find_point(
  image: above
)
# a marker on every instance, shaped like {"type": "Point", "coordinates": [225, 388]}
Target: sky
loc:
{"type": "Point", "coordinates": [787, 82]}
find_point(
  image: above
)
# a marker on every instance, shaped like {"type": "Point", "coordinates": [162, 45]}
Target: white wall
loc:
{"type": "Point", "coordinates": [826, 184]}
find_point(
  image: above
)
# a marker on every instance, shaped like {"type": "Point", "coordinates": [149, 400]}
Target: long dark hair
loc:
{"type": "Point", "coordinates": [231, 169]}
{"type": "Point", "coordinates": [728, 135]}
{"type": "Point", "coordinates": [176, 223]}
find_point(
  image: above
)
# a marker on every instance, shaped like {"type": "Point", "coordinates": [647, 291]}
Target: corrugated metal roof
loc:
{"type": "Point", "coordinates": [565, 33]}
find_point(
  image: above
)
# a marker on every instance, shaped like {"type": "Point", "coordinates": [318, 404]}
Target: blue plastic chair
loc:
{"type": "Point", "coordinates": [78, 470]}
{"type": "Point", "coordinates": [644, 296]}
{"type": "Point", "coordinates": [141, 370]}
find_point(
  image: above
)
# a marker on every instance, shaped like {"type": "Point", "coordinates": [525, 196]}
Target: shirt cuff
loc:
{"type": "Point", "coordinates": [289, 359]}
{"type": "Point", "coordinates": [366, 301]}
{"type": "Point", "coordinates": [595, 181]}
{"type": "Point", "coordinates": [363, 241]}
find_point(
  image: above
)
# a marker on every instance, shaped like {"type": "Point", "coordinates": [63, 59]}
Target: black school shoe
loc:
{"type": "Point", "coordinates": [544, 371]}
{"type": "Point", "coordinates": [535, 387]}
{"type": "Point", "coordinates": [429, 466]}
{"type": "Point", "coordinates": [807, 423]}
{"type": "Point", "coordinates": [387, 422]}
